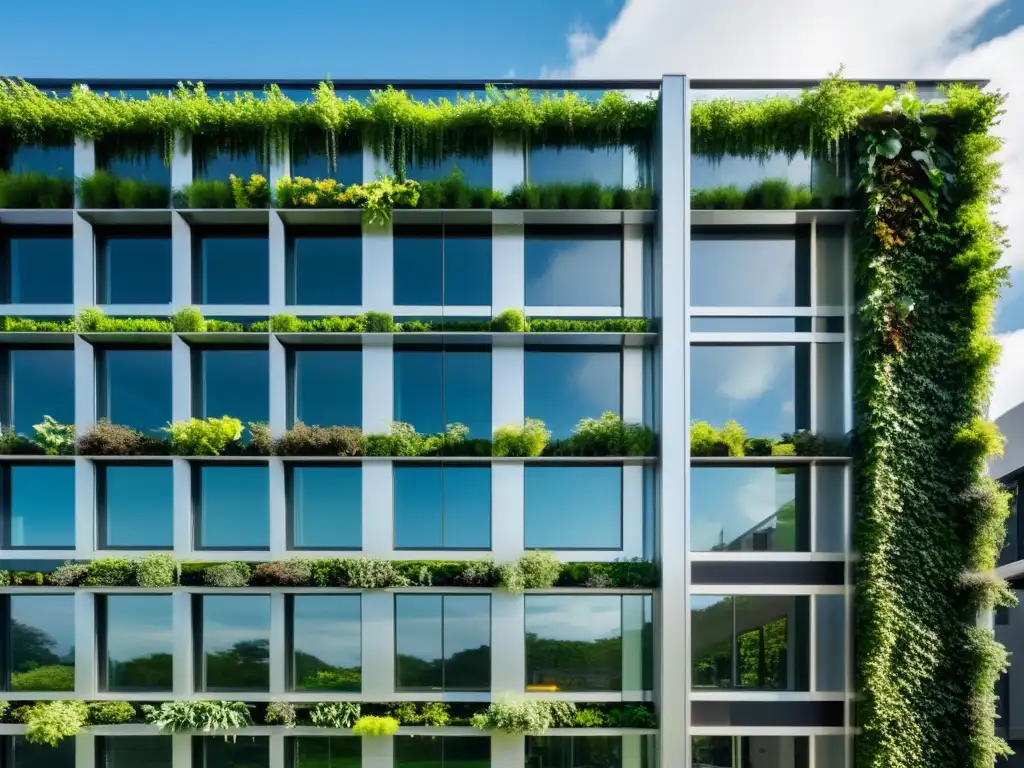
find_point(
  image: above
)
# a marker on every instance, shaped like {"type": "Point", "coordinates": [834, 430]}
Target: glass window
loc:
{"type": "Point", "coordinates": [442, 751]}
{"type": "Point", "coordinates": [231, 269]}
{"type": "Point", "coordinates": [134, 269]}
{"type": "Point", "coordinates": [313, 164]}
{"type": "Point", "coordinates": [242, 752]}
{"type": "Point", "coordinates": [476, 171]}
{"type": "Point", "coordinates": [136, 388]}
{"type": "Point", "coordinates": [442, 507]}
{"type": "Point", "coordinates": [234, 506]}
{"type": "Point", "coordinates": [603, 165]}
{"type": "Point", "coordinates": [40, 269]}
{"type": "Point", "coordinates": [574, 643]}
{"type": "Point", "coordinates": [326, 506]}
{"type": "Point", "coordinates": [42, 384]}
{"type": "Point", "coordinates": [42, 512]}
{"type": "Point", "coordinates": [752, 268]}
{"type": "Point", "coordinates": [443, 642]}
{"type": "Point", "coordinates": [235, 637]}
{"type": "Point", "coordinates": [137, 506]}
{"type": "Point", "coordinates": [754, 751]}
{"type": "Point", "coordinates": [326, 643]}
{"type": "Point", "coordinates": [50, 161]}
{"type": "Point", "coordinates": [437, 265]}
{"type": "Point", "coordinates": [749, 509]}
{"type": "Point", "coordinates": [326, 269]}
{"type": "Point", "coordinates": [581, 752]}
{"type": "Point", "coordinates": [830, 642]}
{"type": "Point", "coordinates": [325, 752]}
{"type": "Point", "coordinates": [235, 382]}
{"type": "Point", "coordinates": [149, 167]}
{"type": "Point", "coordinates": [28, 755]}
{"type": "Point", "coordinates": [824, 177]}
{"type": "Point", "coordinates": [563, 387]}
{"type": "Point", "coordinates": [573, 266]}
{"type": "Point", "coordinates": [329, 387]}
{"type": "Point", "coordinates": [435, 388]}
{"type": "Point", "coordinates": [758, 642]}
{"type": "Point", "coordinates": [135, 751]}
{"type": "Point", "coordinates": [139, 644]}
{"type": "Point", "coordinates": [210, 163]}
{"type": "Point", "coordinates": [42, 649]}
{"type": "Point", "coordinates": [467, 266]}
{"type": "Point", "coordinates": [575, 507]}
{"type": "Point", "coordinates": [763, 387]}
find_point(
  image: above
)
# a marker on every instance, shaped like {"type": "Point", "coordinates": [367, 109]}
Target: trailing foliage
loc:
{"type": "Point", "coordinates": [376, 198]}
{"type": "Point", "coordinates": [199, 716]}
{"type": "Point", "coordinates": [375, 725]}
{"type": "Point", "coordinates": [35, 190]}
{"type": "Point", "coordinates": [607, 436]}
{"type": "Point", "coordinates": [104, 190]}
{"type": "Point", "coordinates": [281, 713]}
{"type": "Point", "coordinates": [518, 717]}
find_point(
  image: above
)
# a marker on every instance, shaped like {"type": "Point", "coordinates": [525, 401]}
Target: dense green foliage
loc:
{"type": "Point", "coordinates": [50, 722]}
{"type": "Point", "coordinates": [35, 190]}
{"type": "Point", "coordinates": [375, 725]}
{"type": "Point", "coordinates": [769, 195]}
{"type": "Point", "coordinates": [199, 716]}
{"type": "Point", "coordinates": [104, 190]}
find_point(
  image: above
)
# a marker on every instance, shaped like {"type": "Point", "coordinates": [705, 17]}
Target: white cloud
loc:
{"type": "Point", "coordinates": [1009, 387]}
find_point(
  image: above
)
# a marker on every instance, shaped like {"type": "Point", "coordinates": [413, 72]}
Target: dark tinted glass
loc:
{"type": "Point", "coordinates": [476, 171]}
{"type": "Point", "coordinates": [442, 751]}
{"type": "Point", "coordinates": [418, 267]}
{"type": "Point", "coordinates": [235, 382]}
{"type": "Point", "coordinates": [327, 507]}
{"type": "Point", "coordinates": [51, 161]}
{"type": "Point", "coordinates": [149, 167]}
{"type": "Point", "coordinates": [434, 389]}
{"type": "Point", "coordinates": [139, 643]}
{"type": "Point", "coordinates": [564, 387]}
{"type": "Point", "coordinates": [42, 499]}
{"type": "Point", "coordinates": [326, 270]}
{"type": "Point", "coordinates": [347, 169]}
{"type": "Point", "coordinates": [467, 266]}
{"type": "Point", "coordinates": [134, 270]}
{"type": "Point", "coordinates": [42, 648]}
{"type": "Point", "coordinates": [28, 755]}
{"type": "Point", "coordinates": [326, 752]}
{"type": "Point", "coordinates": [573, 643]}
{"type": "Point", "coordinates": [573, 507]}
{"type": "Point", "coordinates": [443, 642]}
{"type": "Point", "coordinates": [575, 164]}
{"type": "Point", "coordinates": [567, 268]}
{"type": "Point", "coordinates": [219, 166]}
{"type": "Point", "coordinates": [137, 506]}
{"type": "Point", "coordinates": [136, 751]}
{"type": "Point", "coordinates": [41, 270]}
{"type": "Point", "coordinates": [329, 387]}
{"type": "Point", "coordinates": [243, 752]}
{"type": "Point", "coordinates": [236, 642]}
{"type": "Point", "coordinates": [766, 751]}
{"type": "Point", "coordinates": [442, 507]}
{"type": "Point", "coordinates": [234, 507]}
{"type": "Point", "coordinates": [435, 265]}
{"type": "Point", "coordinates": [42, 384]}
{"type": "Point", "coordinates": [233, 270]}
{"type": "Point", "coordinates": [326, 643]}
{"type": "Point", "coordinates": [756, 268]}
{"type": "Point", "coordinates": [138, 388]}
{"type": "Point", "coordinates": [578, 752]}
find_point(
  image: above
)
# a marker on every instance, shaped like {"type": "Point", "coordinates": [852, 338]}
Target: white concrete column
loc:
{"type": "Point", "coordinates": [378, 508]}
{"type": "Point", "coordinates": [276, 748]}
{"type": "Point", "coordinates": [278, 365]}
{"type": "Point", "coordinates": [508, 263]}
{"type": "Point", "coordinates": [507, 510]}
{"type": "Point", "coordinates": [508, 644]}
{"type": "Point", "coordinates": [182, 475]}
{"type": "Point", "coordinates": [630, 176]}
{"type": "Point", "coordinates": [632, 648]}
{"type": "Point", "coordinates": [85, 645]}
{"type": "Point", "coordinates": [378, 267]}
{"type": "Point", "coordinates": [181, 750]}
{"type": "Point", "coordinates": [181, 380]}
{"type": "Point", "coordinates": [84, 263]}
{"type": "Point", "coordinates": [278, 632]}
{"type": "Point", "coordinates": [632, 270]}
{"type": "Point", "coordinates": [508, 164]}
{"type": "Point", "coordinates": [378, 385]}
{"type": "Point", "coordinates": [85, 508]}
{"type": "Point", "coordinates": [181, 262]}
{"type": "Point", "coordinates": [277, 260]}
{"type": "Point", "coordinates": [633, 384]}
{"type": "Point", "coordinates": [181, 163]}
{"type": "Point", "coordinates": [508, 751]}
{"type": "Point", "coordinates": [374, 166]}
{"type": "Point", "coordinates": [280, 167]}
{"type": "Point", "coordinates": [85, 386]}
{"type": "Point", "coordinates": [508, 385]}
{"type": "Point", "coordinates": [85, 749]}
{"type": "Point", "coordinates": [632, 752]}
{"type": "Point", "coordinates": [182, 647]}
{"type": "Point", "coordinates": [278, 509]}
{"type": "Point", "coordinates": [379, 752]}
{"type": "Point", "coordinates": [378, 630]}
{"type": "Point", "coordinates": [85, 162]}
{"type": "Point", "coordinates": [632, 511]}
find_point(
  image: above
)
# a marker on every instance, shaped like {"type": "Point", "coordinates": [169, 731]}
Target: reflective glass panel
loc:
{"type": "Point", "coordinates": [149, 167]}
{"type": "Point", "coordinates": [443, 642]}
{"type": "Point", "coordinates": [476, 171]}
{"type": "Point", "coordinates": [418, 266]}
{"type": "Point", "coordinates": [442, 507]}
{"type": "Point", "coordinates": [235, 642]}
{"type": "Point", "coordinates": [442, 751]}
{"type": "Point", "coordinates": [434, 389]}
{"type": "Point", "coordinates": [574, 507]}
{"type": "Point", "coordinates": [219, 166]}
{"type": "Point", "coordinates": [326, 643]}
{"type": "Point", "coordinates": [602, 165]}
{"type": "Point", "coordinates": [42, 649]}
{"type": "Point", "coordinates": [467, 266]}
{"type": "Point", "coordinates": [573, 643]}
{"type": "Point", "coordinates": [577, 752]}
{"type": "Point", "coordinates": [326, 507]}
{"type": "Point", "coordinates": [138, 388]}
{"type": "Point", "coordinates": [329, 387]}
{"type": "Point", "coordinates": [573, 267]}
{"type": "Point", "coordinates": [243, 752]}
{"type": "Point", "coordinates": [42, 499]}
{"type": "Point", "coordinates": [759, 752]}
{"type": "Point", "coordinates": [325, 269]}
{"type": "Point", "coordinates": [28, 755]}
{"type": "Point", "coordinates": [564, 387]}
{"type": "Point", "coordinates": [139, 643]}
{"type": "Point", "coordinates": [42, 384]}
{"type": "Point", "coordinates": [326, 752]}
{"type": "Point", "coordinates": [137, 503]}
{"type": "Point", "coordinates": [235, 507]}
{"type": "Point", "coordinates": [820, 181]}
{"type": "Point", "coordinates": [755, 268]}
{"type": "Point", "coordinates": [233, 270]}
{"type": "Point", "coordinates": [236, 382]}
{"type": "Point", "coordinates": [348, 167]}
{"type": "Point", "coordinates": [50, 161]}
{"type": "Point", "coordinates": [135, 751]}
{"type": "Point", "coordinates": [134, 269]}
{"type": "Point", "coordinates": [41, 270]}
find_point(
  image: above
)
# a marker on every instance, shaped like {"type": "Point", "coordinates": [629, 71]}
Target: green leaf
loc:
{"type": "Point", "coordinates": [929, 132]}
{"type": "Point", "coordinates": [926, 202]}
{"type": "Point", "coordinates": [889, 147]}
{"type": "Point", "coordinates": [924, 157]}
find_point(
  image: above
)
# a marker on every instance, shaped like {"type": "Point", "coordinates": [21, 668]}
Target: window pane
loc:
{"type": "Point", "coordinates": [467, 391]}
{"type": "Point", "coordinates": [573, 643]}
{"type": "Point", "coordinates": [575, 164]}
{"type": "Point", "coordinates": [419, 637]}
{"type": "Point", "coordinates": [711, 641]}
{"type": "Point", "coordinates": [136, 751]}
{"type": "Point", "coordinates": [434, 389]}
{"type": "Point", "coordinates": [578, 752]}
{"type": "Point", "coordinates": [713, 751]}
{"type": "Point", "coordinates": [466, 495]}
{"type": "Point", "coordinates": [566, 268]}
{"type": "Point", "coordinates": [476, 171]}
{"type": "Point", "coordinates": [573, 507]}
{"type": "Point", "coordinates": [139, 642]}
{"type": "Point", "coordinates": [564, 387]}
{"type": "Point", "coordinates": [760, 751]}
{"type": "Point", "coordinates": [466, 752]}
{"type": "Point", "coordinates": [51, 161]}
{"type": "Point", "coordinates": [43, 384]}
{"type": "Point", "coordinates": [42, 643]}
{"type": "Point", "coordinates": [42, 506]}
{"type": "Point", "coordinates": [418, 380]}
{"type": "Point", "coordinates": [758, 268]}
{"type": "Point", "coordinates": [327, 507]}
{"type": "Point", "coordinates": [41, 271]}
{"type": "Point", "coordinates": [419, 752]}
{"type": "Point", "coordinates": [329, 387]}
{"type": "Point", "coordinates": [243, 752]}
{"type": "Point", "coordinates": [326, 752]}
{"type": "Point", "coordinates": [442, 507]}
{"type": "Point", "coordinates": [419, 511]}
{"type": "Point", "coordinates": [326, 270]}
{"type": "Point", "coordinates": [467, 642]}
{"type": "Point", "coordinates": [235, 507]}
{"type": "Point", "coordinates": [764, 388]}
{"type": "Point", "coordinates": [327, 643]}
{"type": "Point", "coordinates": [138, 388]}
{"type": "Point", "coordinates": [749, 509]}
{"type": "Point", "coordinates": [28, 755]}
{"type": "Point", "coordinates": [236, 642]}
{"type": "Point", "coordinates": [233, 270]}
{"type": "Point", "coordinates": [134, 270]}
{"type": "Point", "coordinates": [348, 167]}
{"type": "Point", "coordinates": [830, 627]}
{"type": "Point", "coordinates": [138, 508]}
{"type": "Point", "coordinates": [236, 382]}
{"type": "Point", "coordinates": [149, 167]}
{"type": "Point", "coordinates": [823, 176]}
{"type": "Point", "coordinates": [418, 267]}
{"type": "Point", "coordinates": [219, 166]}
{"type": "Point", "coordinates": [467, 266]}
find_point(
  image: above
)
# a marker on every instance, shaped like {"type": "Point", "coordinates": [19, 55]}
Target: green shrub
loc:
{"type": "Point", "coordinates": [50, 722]}
{"type": "Point", "coordinates": [375, 725]}
{"type": "Point", "coordinates": [35, 190]}
{"type": "Point", "coordinates": [515, 718]}
{"type": "Point", "coordinates": [52, 677]}
{"type": "Point", "coordinates": [69, 574]}
{"type": "Point", "coordinates": [209, 193]}
{"type": "Point", "coordinates": [335, 714]}
{"type": "Point", "coordinates": [5, 578]}
{"type": "Point", "coordinates": [102, 190]}
{"type": "Point", "coordinates": [479, 573]}
{"type": "Point", "coordinates": [110, 713]}
{"type": "Point", "coordinates": [718, 198]}
{"type": "Point", "coordinates": [11, 444]}
{"type": "Point", "coordinates": [706, 440]}
{"type": "Point", "coordinates": [111, 572]}
{"type": "Point", "coordinates": [589, 718]}
{"type": "Point", "coordinates": [281, 713]}
{"type": "Point", "coordinates": [199, 437]}
{"type": "Point", "coordinates": [295, 572]}
{"type": "Point", "coordinates": [106, 439]}
{"type": "Point", "coordinates": [93, 320]}
{"type": "Point", "coordinates": [188, 320]}
{"type": "Point", "coordinates": [378, 198]}
{"type": "Point", "coordinates": [635, 716]}
{"type": "Point", "coordinates": [260, 442]}
{"type": "Point", "coordinates": [27, 578]}
{"type": "Point", "coordinates": [434, 713]}
{"type": "Point", "coordinates": [509, 321]}
{"type": "Point", "coordinates": [607, 325]}
{"type": "Point", "coordinates": [538, 569]}
{"type": "Point", "coordinates": [284, 323]}
{"type": "Point", "coordinates": [524, 441]}
{"type": "Point", "coordinates": [607, 436]}
{"type": "Point", "coordinates": [10, 324]}
{"type": "Point", "coordinates": [301, 192]}
{"type": "Point", "coordinates": [302, 440]}
{"type": "Point", "coordinates": [202, 716]}
{"type": "Point", "coordinates": [227, 575]}
{"type": "Point", "coordinates": [254, 193]}
{"type": "Point", "coordinates": [55, 439]}
{"type": "Point", "coordinates": [97, 191]}
{"type": "Point", "coordinates": [378, 322]}
{"type": "Point", "coordinates": [158, 569]}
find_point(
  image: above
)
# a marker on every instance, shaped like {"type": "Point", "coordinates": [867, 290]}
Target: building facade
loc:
{"type": "Point", "coordinates": [741, 650]}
